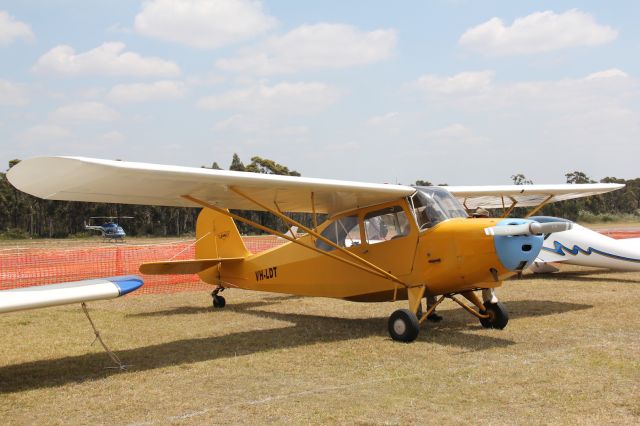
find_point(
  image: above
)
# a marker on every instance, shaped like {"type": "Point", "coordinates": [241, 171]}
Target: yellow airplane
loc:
{"type": "Point", "coordinates": [379, 243]}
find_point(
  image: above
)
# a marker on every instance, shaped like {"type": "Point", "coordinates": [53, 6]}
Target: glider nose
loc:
{"type": "Point", "coordinates": [516, 252]}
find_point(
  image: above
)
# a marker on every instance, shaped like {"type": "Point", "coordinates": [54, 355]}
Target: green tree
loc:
{"type": "Point", "coordinates": [423, 183]}
{"type": "Point", "coordinates": [270, 167]}
{"type": "Point", "coordinates": [236, 164]}
{"type": "Point", "coordinates": [578, 177]}
{"type": "Point", "coordinates": [521, 179]}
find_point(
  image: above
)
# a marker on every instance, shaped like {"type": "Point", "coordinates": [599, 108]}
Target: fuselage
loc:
{"type": "Point", "coordinates": [584, 247]}
{"type": "Point", "coordinates": [450, 254]}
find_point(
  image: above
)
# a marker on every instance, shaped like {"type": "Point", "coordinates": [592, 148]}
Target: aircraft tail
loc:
{"type": "Point", "coordinates": [217, 237]}
{"type": "Point", "coordinates": [217, 242]}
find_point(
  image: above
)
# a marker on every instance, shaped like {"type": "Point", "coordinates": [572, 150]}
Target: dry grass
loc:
{"type": "Point", "coordinates": [569, 354]}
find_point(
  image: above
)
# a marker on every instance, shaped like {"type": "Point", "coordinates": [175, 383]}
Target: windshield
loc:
{"type": "Point", "coordinates": [432, 205]}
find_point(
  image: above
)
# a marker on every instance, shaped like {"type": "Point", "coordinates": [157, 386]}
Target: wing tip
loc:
{"type": "Point", "coordinates": [127, 284]}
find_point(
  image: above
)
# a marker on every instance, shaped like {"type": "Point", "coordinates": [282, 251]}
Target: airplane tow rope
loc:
{"type": "Point", "coordinates": [113, 356]}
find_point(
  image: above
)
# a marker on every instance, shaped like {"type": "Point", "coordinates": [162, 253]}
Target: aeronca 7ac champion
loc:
{"type": "Point", "coordinates": [379, 243]}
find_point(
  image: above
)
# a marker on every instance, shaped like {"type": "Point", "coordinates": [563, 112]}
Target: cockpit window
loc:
{"type": "Point", "coordinates": [344, 232]}
{"type": "Point", "coordinates": [386, 224]}
{"type": "Point", "coordinates": [432, 205]}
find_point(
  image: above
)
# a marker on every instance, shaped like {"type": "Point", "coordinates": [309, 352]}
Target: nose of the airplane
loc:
{"type": "Point", "coordinates": [516, 252]}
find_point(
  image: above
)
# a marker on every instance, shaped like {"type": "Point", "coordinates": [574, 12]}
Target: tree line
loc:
{"type": "Point", "coordinates": [25, 216]}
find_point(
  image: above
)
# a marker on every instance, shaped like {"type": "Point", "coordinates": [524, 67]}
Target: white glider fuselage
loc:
{"type": "Point", "coordinates": [584, 247]}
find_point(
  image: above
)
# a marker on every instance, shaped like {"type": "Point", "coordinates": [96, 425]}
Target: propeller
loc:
{"type": "Point", "coordinates": [530, 228]}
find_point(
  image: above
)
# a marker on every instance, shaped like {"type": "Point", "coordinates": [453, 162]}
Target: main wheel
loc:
{"type": "Point", "coordinates": [403, 326]}
{"type": "Point", "coordinates": [498, 317]}
{"type": "Point", "coordinates": [218, 301]}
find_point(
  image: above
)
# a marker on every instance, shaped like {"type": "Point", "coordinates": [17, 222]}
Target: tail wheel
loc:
{"type": "Point", "coordinates": [498, 316]}
{"type": "Point", "coordinates": [404, 326]}
{"type": "Point", "coordinates": [218, 301]}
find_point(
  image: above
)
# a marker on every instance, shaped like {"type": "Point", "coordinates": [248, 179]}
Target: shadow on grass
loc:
{"type": "Point", "coordinates": [194, 310]}
{"type": "Point", "coordinates": [306, 330]}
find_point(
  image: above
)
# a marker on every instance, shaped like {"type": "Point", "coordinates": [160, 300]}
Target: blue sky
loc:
{"type": "Point", "coordinates": [462, 92]}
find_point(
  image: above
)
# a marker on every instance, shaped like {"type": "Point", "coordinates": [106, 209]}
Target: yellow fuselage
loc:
{"type": "Point", "coordinates": [451, 257]}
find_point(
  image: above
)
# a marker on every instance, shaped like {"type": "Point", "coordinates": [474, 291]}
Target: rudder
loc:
{"type": "Point", "coordinates": [217, 237]}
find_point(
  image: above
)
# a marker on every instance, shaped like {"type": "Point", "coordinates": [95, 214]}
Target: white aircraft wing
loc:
{"type": "Point", "coordinates": [94, 180]}
{"type": "Point", "coordinates": [499, 196]}
{"type": "Point", "coordinates": [43, 296]}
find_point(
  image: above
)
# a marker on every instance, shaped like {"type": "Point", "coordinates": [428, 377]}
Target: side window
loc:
{"type": "Point", "coordinates": [344, 232]}
{"type": "Point", "coordinates": [386, 224]}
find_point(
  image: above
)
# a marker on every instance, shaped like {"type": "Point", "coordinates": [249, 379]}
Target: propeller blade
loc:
{"type": "Point", "coordinates": [529, 228]}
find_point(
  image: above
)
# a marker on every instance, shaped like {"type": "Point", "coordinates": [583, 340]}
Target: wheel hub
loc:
{"type": "Point", "coordinates": [399, 327]}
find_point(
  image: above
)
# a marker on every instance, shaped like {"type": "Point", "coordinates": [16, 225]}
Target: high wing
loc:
{"type": "Point", "coordinates": [95, 180]}
{"type": "Point", "coordinates": [502, 196]}
{"type": "Point", "coordinates": [43, 296]}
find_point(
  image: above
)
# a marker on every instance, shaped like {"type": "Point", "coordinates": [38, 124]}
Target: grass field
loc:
{"type": "Point", "coordinates": [569, 354]}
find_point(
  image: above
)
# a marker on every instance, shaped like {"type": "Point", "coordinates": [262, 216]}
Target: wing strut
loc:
{"type": "Point", "coordinates": [367, 267]}
{"type": "Point", "coordinates": [539, 206]}
{"type": "Point", "coordinates": [508, 211]}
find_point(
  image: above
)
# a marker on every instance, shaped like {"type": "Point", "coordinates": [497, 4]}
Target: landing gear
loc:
{"type": "Point", "coordinates": [218, 301]}
{"type": "Point", "coordinates": [497, 315]}
{"type": "Point", "coordinates": [404, 326]}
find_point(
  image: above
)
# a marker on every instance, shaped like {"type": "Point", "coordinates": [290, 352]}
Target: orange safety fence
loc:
{"type": "Point", "coordinates": [27, 266]}
{"type": "Point", "coordinates": [619, 234]}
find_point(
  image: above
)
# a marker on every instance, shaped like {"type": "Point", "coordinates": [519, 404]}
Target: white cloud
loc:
{"type": "Point", "coordinates": [537, 32]}
{"type": "Point", "coordinates": [108, 59]}
{"type": "Point", "coordinates": [290, 98]}
{"type": "Point", "coordinates": [203, 23]}
{"type": "Point", "coordinates": [311, 47]}
{"type": "Point", "coordinates": [12, 94]}
{"type": "Point", "coordinates": [568, 124]}
{"type": "Point", "coordinates": [454, 135]}
{"type": "Point", "coordinates": [82, 112]}
{"type": "Point", "coordinates": [595, 91]}
{"type": "Point", "coordinates": [463, 83]}
{"type": "Point", "coordinates": [113, 137]}
{"type": "Point", "coordinates": [235, 122]}
{"type": "Point", "coordinates": [45, 133]}
{"type": "Point", "coordinates": [10, 29]}
{"type": "Point", "coordinates": [141, 92]}
{"type": "Point", "coordinates": [610, 73]}
{"type": "Point", "coordinates": [382, 120]}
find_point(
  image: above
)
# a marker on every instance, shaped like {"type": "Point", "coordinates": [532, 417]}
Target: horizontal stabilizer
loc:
{"type": "Point", "coordinates": [175, 267]}
{"type": "Point", "coordinates": [43, 296]}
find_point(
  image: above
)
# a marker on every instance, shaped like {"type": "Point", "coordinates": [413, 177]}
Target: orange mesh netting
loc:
{"type": "Point", "coordinates": [26, 266]}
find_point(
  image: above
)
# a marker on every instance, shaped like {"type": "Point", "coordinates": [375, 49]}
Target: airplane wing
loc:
{"type": "Point", "coordinates": [499, 196]}
{"type": "Point", "coordinates": [19, 299]}
{"type": "Point", "coordinates": [95, 180]}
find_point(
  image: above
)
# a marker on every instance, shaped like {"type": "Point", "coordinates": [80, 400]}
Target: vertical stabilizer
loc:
{"type": "Point", "coordinates": [217, 237]}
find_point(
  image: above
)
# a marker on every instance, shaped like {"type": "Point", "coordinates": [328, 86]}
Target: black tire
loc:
{"type": "Point", "coordinates": [403, 326]}
{"type": "Point", "coordinates": [218, 301]}
{"type": "Point", "coordinates": [498, 316]}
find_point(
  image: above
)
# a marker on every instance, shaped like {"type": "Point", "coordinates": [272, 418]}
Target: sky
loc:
{"type": "Point", "coordinates": [463, 92]}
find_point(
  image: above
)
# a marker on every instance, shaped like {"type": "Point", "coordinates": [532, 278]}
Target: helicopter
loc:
{"type": "Point", "coordinates": [110, 230]}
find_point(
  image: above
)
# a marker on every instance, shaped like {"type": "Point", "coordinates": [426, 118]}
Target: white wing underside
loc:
{"type": "Point", "coordinates": [502, 196]}
{"type": "Point", "coordinates": [95, 180]}
{"type": "Point", "coordinates": [87, 179]}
